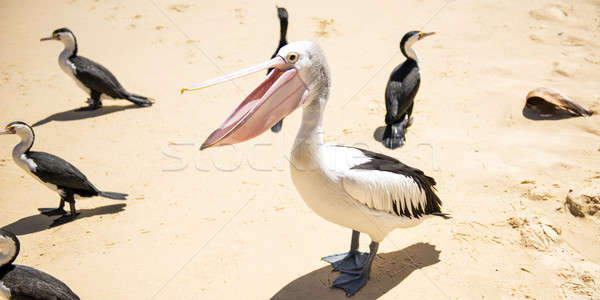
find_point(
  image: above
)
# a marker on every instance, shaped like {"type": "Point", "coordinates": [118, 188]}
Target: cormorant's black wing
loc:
{"type": "Point", "coordinates": [97, 78]}
{"type": "Point", "coordinates": [55, 170]}
{"type": "Point", "coordinates": [28, 283]}
{"type": "Point", "coordinates": [401, 90]}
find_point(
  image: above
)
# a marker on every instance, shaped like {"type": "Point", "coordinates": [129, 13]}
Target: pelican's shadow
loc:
{"type": "Point", "coordinates": [378, 133]}
{"type": "Point", "coordinates": [389, 270]}
{"type": "Point", "coordinates": [533, 115]}
{"type": "Point", "coordinates": [40, 222]}
{"type": "Point", "coordinates": [73, 114]}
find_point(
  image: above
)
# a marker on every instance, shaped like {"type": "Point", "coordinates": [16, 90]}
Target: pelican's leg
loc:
{"type": "Point", "coordinates": [73, 213]}
{"type": "Point", "coordinates": [94, 102]}
{"type": "Point", "coordinates": [352, 281]}
{"type": "Point", "coordinates": [350, 261]}
{"type": "Point", "coordinates": [55, 212]}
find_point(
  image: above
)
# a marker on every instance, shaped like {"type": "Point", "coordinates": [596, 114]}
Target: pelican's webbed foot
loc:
{"type": "Point", "coordinates": [349, 261]}
{"type": "Point", "coordinates": [354, 268]}
{"type": "Point", "coordinates": [352, 282]}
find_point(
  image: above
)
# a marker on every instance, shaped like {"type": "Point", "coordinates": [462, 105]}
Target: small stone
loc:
{"type": "Point", "coordinates": [539, 194]}
{"type": "Point", "coordinates": [584, 202]}
{"type": "Point", "coordinates": [529, 181]}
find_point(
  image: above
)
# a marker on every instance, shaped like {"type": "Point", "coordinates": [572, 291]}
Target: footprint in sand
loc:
{"type": "Point", "coordinates": [552, 12]}
{"type": "Point", "coordinates": [239, 14]}
{"type": "Point", "coordinates": [566, 69]}
{"type": "Point", "coordinates": [179, 7]}
{"type": "Point", "coordinates": [324, 27]}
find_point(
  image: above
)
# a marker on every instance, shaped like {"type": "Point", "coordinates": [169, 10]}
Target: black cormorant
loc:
{"type": "Point", "coordinates": [400, 92]}
{"type": "Point", "coordinates": [54, 172]}
{"type": "Point", "coordinates": [283, 24]}
{"type": "Point", "coordinates": [91, 77]}
{"type": "Point", "coordinates": [22, 282]}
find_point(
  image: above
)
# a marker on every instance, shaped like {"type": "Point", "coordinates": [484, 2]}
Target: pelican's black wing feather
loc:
{"type": "Point", "coordinates": [381, 162]}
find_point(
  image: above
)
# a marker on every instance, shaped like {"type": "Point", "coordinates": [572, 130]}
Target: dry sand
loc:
{"type": "Point", "coordinates": [231, 224]}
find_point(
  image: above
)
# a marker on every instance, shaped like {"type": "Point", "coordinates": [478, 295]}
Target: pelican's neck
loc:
{"type": "Point", "coordinates": [27, 138]}
{"type": "Point", "coordinates": [311, 132]}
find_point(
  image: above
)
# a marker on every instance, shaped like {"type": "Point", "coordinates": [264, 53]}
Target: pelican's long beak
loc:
{"type": "Point", "coordinates": [280, 93]}
{"type": "Point", "coordinates": [5, 132]}
{"type": "Point", "coordinates": [47, 38]}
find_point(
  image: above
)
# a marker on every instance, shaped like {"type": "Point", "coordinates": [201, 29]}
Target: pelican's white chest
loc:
{"type": "Point", "coordinates": [317, 175]}
{"type": "Point", "coordinates": [316, 188]}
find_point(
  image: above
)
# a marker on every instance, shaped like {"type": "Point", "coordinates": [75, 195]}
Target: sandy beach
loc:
{"type": "Point", "coordinates": [228, 223]}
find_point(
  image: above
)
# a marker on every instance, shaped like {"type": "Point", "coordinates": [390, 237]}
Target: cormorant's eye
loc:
{"type": "Point", "coordinates": [292, 57]}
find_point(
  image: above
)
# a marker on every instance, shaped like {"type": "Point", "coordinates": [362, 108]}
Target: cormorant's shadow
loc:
{"type": "Point", "coordinates": [378, 133]}
{"type": "Point", "coordinates": [41, 222]}
{"type": "Point", "coordinates": [72, 114]}
{"type": "Point", "coordinates": [389, 270]}
{"type": "Point", "coordinates": [533, 115]}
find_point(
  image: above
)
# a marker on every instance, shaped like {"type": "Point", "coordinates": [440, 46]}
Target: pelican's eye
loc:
{"type": "Point", "coordinates": [292, 57]}
{"type": "Point", "coordinates": [420, 35]}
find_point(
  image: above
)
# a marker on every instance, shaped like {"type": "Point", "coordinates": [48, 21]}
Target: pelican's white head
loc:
{"type": "Point", "coordinates": [9, 248]}
{"type": "Point", "coordinates": [300, 77]}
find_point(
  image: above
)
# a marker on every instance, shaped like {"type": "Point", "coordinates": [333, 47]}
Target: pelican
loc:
{"type": "Point", "coordinates": [22, 282]}
{"type": "Point", "coordinates": [362, 190]}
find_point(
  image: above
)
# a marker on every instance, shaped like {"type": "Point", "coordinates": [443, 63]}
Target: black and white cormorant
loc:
{"type": "Point", "coordinates": [283, 24]}
{"type": "Point", "coordinates": [54, 172]}
{"type": "Point", "coordinates": [22, 282]}
{"type": "Point", "coordinates": [91, 77]}
{"type": "Point", "coordinates": [400, 92]}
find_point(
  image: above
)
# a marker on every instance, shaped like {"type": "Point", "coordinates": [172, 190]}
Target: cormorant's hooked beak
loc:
{"type": "Point", "coordinates": [425, 34]}
{"type": "Point", "coordinates": [48, 38]}
{"type": "Point", "coordinates": [8, 130]}
{"type": "Point", "coordinates": [280, 93]}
